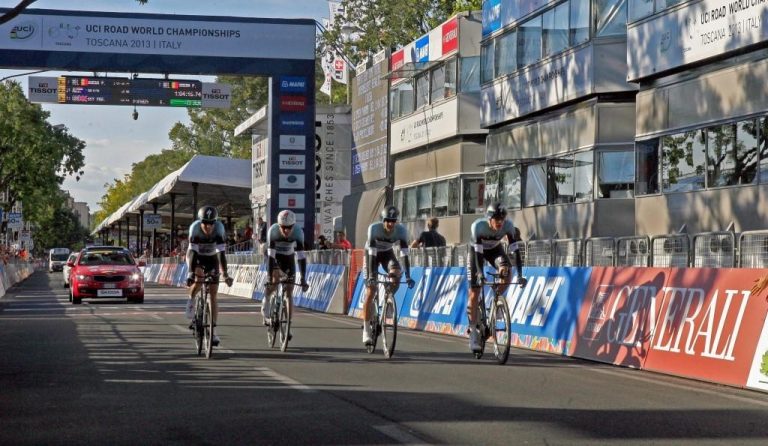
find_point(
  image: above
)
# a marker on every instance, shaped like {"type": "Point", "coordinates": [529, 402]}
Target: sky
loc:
{"type": "Point", "coordinates": [114, 141]}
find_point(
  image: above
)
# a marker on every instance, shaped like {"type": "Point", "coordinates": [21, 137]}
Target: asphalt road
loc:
{"type": "Point", "coordinates": [107, 372]}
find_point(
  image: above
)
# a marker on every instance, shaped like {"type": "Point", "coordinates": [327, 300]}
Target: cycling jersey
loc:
{"type": "Point", "coordinates": [483, 237]}
{"type": "Point", "coordinates": [283, 248]}
{"type": "Point", "coordinates": [207, 251]}
{"type": "Point", "coordinates": [380, 252]}
{"type": "Point", "coordinates": [485, 245]}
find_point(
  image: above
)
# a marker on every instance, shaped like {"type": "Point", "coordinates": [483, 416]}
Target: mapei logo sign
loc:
{"type": "Point", "coordinates": [293, 84]}
{"type": "Point", "coordinates": [23, 30]}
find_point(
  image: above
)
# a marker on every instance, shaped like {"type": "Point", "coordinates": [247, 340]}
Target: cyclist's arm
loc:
{"type": "Point", "coordinates": [302, 258]}
{"type": "Point", "coordinates": [370, 251]}
{"type": "Point", "coordinates": [404, 255]}
{"type": "Point", "coordinates": [191, 256]}
{"type": "Point", "coordinates": [271, 254]}
{"type": "Point", "coordinates": [514, 248]}
{"type": "Point", "coordinates": [476, 249]}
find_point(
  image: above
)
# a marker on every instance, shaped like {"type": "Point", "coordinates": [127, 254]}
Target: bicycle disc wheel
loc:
{"type": "Point", "coordinates": [389, 326]}
{"type": "Point", "coordinates": [208, 328]}
{"type": "Point", "coordinates": [285, 324]}
{"type": "Point", "coordinates": [501, 330]}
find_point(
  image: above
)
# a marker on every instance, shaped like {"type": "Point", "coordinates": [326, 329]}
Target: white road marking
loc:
{"type": "Point", "coordinates": [398, 434]}
{"type": "Point", "coordinates": [290, 382]}
{"type": "Point", "coordinates": [138, 381]}
{"type": "Point", "coordinates": [184, 330]}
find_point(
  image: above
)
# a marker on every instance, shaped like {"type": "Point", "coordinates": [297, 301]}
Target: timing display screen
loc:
{"type": "Point", "coordinates": [122, 91]}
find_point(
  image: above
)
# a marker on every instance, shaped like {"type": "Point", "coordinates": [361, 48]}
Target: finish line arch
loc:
{"type": "Point", "coordinates": [281, 49]}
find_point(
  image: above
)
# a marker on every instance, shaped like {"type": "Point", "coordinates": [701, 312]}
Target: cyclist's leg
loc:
{"type": "Point", "coordinates": [193, 290]}
{"type": "Point", "coordinates": [394, 270]}
{"type": "Point", "coordinates": [287, 265]}
{"type": "Point", "coordinates": [473, 260]}
{"type": "Point", "coordinates": [503, 264]}
{"type": "Point", "coordinates": [368, 304]}
{"type": "Point", "coordinates": [269, 289]}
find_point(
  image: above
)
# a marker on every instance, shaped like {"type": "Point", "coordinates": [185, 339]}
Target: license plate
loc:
{"type": "Point", "coordinates": [109, 293]}
{"type": "Point", "coordinates": [110, 285]}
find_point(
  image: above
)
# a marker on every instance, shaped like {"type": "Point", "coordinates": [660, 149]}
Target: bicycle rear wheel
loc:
{"type": "Point", "coordinates": [389, 326]}
{"type": "Point", "coordinates": [208, 327]}
{"type": "Point", "coordinates": [501, 330]}
{"type": "Point", "coordinates": [285, 323]}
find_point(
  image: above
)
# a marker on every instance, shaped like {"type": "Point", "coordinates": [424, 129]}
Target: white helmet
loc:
{"type": "Point", "coordinates": [286, 218]}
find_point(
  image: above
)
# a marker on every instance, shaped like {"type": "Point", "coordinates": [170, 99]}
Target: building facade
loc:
{"type": "Point", "coordinates": [561, 116]}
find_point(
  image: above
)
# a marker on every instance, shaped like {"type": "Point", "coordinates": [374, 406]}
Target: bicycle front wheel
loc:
{"type": "Point", "coordinates": [197, 324]}
{"type": "Point", "coordinates": [273, 318]}
{"type": "Point", "coordinates": [389, 326]}
{"type": "Point", "coordinates": [285, 324]}
{"type": "Point", "coordinates": [208, 328]}
{"type": "Point", "coordinates": [501, 330]}
{"type": "Point", "coordinates": [483, 330]}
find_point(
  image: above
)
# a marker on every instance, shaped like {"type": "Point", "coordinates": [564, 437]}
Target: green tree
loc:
{"type": "Point", "coordinates": [60, 228]}
{"type": "Point", "coordinates": [35, 157]}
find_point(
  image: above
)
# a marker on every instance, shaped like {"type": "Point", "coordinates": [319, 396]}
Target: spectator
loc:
{"type": "Point", "coordinates": [248, 235]}
{"type": "Point", "coordinates": [341, 241]}
{"type": "Point", "coordinates": [322, 242]}
{"type": "Point", "coordinates": [261, 227]}
{"type": "Point", "coordinates": [430, 238]}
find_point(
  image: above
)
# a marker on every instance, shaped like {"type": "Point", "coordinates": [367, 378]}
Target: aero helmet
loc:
{"type": "Point", "coordinates": [496, 210]}
{"type": "Point", "coordinates": [207, 214]}
{"type": "Point", "coordinates": [286, 218]}
{"type": "Point", "coordinates": [390, 213]}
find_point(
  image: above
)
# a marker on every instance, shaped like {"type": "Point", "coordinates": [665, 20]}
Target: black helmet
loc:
{"type": "Point", "coordinates": [207, 214]}
{"type": "Point", "coordinates": [496, 210]}
{"type": "Point", "coordinates": [390, 213]}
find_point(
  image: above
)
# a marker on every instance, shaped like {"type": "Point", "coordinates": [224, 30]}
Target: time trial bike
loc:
{"type": "Point", "coordinates": [202, 323]}
{"type": "Point", "coordinates": [383, 319]}
{"type": "Point", "coordinates": [495, 320]}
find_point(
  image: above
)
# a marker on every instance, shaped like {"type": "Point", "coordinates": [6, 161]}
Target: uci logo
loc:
{"type": "Point", "coordinates": [23, 31]}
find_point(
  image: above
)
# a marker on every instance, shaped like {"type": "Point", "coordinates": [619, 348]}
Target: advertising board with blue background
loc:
{"type": "Point", "coordinates": [323, 282]}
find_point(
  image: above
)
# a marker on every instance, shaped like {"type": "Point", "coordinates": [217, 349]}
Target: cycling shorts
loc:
{"type": "Point", "coordinates": [209, 264]}
{"type": "Point", "coordinates": [495, 256]}
{"type": "Point", "coordinates": [384, 259]}
{"type": "Point", "coordinates": [286, 264]}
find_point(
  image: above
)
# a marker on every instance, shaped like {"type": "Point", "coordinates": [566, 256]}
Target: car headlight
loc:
{"type": "Point", "coordinates": [82, 277]}
{"type": "Point", "coordinates": [135, 276]}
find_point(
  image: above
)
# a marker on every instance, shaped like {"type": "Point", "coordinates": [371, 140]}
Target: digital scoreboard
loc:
{"type": "Point", "coordinates": [123, 91]}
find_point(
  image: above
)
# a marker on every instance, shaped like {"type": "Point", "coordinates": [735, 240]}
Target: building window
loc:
{"type": "Point", "coordinates": [438, 84]}
{"type": "Point", "coordinates": [410, 204]}
{"type": "Point", "coordinates": [610, 17]}
{"type": "Point", "coordinates": [763, 150]}
{"type": "Point", "coordinates": [647, 162]}
{"type": "Point", "coordinates": [487, 60]}
{"type": "Point", "coordinates": [424, 194]}
{"type": "Point", "coordinates": [682, 165]}
{"type": "Point", "coordinates": [535, 191]}
{"type": "Point", "coordinates": [402, 99]}
{"type": "Point", "coordinates": [492, 186]}
{"type": "Point", "coordinates": [555, 30]}
{"type": "Point", "coordinates": [422, 90]}
{"type": "Point", "coordinates": [583, 172]}
{"type": "Point", "coordinates": [470, 75]}
{"type": "Point", "coordinates": [506, 54]}
{"type": "Point", "coordinates": [639, 9]}
{"type": "Point", "coordinates": [579, 24]}
{"type": "Point", "coordinates": [450, 77]}
{"type": "Point", "coordinates": [560, 180]}
{"type": "Point", "coordinates": [732, 154]}
{"type": "Point", "coordinates": [473, 194]}
{"type": "Point", "coordinates": [398, 200]}
{"type": "Point", "coordinates": [616, 174]}
{"type": "Point", "coordinates": [529, 42]}
{"type": "Point", "coordinates": [441, 199]}
{"type": "Point", "coordinates": [453, 196]}
{"type": "Point", "coordinates": [511, 192]}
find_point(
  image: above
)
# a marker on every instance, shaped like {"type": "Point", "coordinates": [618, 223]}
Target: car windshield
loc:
{"type": "Point", "coordinates": [59, 257]}
{"type": "Point", "coordinates": [106, 258]}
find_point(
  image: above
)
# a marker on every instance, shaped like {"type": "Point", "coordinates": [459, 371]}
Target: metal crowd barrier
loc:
{"type": "Point", "coordinates": [753, 249]}
{"type": "Point", "coordinates": [633, 251]}
{"type": "Point", "coordinates": [671, 251]}
{"type": "Point", "coordinates": [599, 251]}
{"type": "Point", "coordinates": [567, 252]}
{"type": "Point", "coordinates": [714, 250]}
{"type": "Point", "coordinates": [538, 253]}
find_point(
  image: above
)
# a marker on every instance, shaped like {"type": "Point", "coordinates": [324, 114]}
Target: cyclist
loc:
{"type": "Point", "coordinates": [285, 245]}
{"type": "Point", "coordinates": [485, 244]}
{"type": "Point", "coordinates": [206, 255]}
{"type": "Point", "coordinates": [382, 237]}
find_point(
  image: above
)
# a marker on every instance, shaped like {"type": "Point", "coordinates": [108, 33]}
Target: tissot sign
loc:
{"type": "Point", "coordinates": [695, 32]}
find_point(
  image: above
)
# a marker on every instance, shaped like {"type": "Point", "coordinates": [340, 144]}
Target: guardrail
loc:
{"type": "Point", "coordinates": [718, 249]}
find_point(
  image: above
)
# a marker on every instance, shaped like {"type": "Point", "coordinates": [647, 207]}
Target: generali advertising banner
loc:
{"type": "Point", "coordinates": [708, 324]}
{"type": "Point", "coordinates": [692, 33]}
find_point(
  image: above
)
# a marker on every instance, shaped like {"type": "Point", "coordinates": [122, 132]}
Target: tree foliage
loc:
{"type": "Point", "coordinates": [35, 157]}
{"type": "Point", "coordinates": [61, 228]}
{"type": "Point", "coordinates": [388, 24]}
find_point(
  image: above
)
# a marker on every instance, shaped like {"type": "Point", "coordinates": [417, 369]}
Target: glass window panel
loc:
{"type": "Point", "coordinates": [721, 156]}
{"type": "Point", "coordinates": [639, 9]}
{"type": "Point", "coordinates": [506, 54]}
{"type": "Point", "coordinates": [512, 188]}
{"type": "Point", "coordinates": [536, 184]}
{"type": "Point", "coordinates": [492, 186]}
{"type": "Point", "coordinates": [453, 196]}
{"type": "Point", "coordinates": [582, 176]}
{"type": "Point", "coordinates": [682, 167]}
{"type": "Point", "coordinates": [450, 77]}
{"type": "Point", "coordinates": [555, 30]}
{"type": "Point", "coordinates": [647, 161]}
{"type": "Point", "coordinates": [410, 204]}
{"type": "Point", "coordinates": [486, 57]}
{"type": "Point", "coordinates": [406, 98]}
{"type": "Point", "coordinates": [425, 200]}
{"type": "Point", "coordinates": [422, 90]}
{"type": "Point", "coordinates": [474, 192]}
{"type": "Point", "coordinates": [579, 23]}
{"type": "Point", "coordinates": [529, 42]}
{"type": "Point", "coordinates": [616, 174]}
{"type": "Point", "coordinates": [438, 84]}
{"type": "Point", "coordinates": [746, 151]}
{"type": "Point", "coordinates": [560, 180]}
{"type": "Point", "coordinates": [441, 199]}
{"type": "Point", "coordinates": [764, 150]}
{"type": "Point", "coordinates": [470, 74]}
{"type": "Point", "coordinates": [394, 103]}
{"type": "Point", "coordinates": [398, 199]}
{"type": "Point", "coordinates": [611, 17]}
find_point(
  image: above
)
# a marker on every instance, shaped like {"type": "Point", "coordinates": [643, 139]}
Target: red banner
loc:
{"type": "Point", "coordinates": [709, 324]}
{"type": "Point", "coordinates": [450, 35]}
{"type": "Point", "coordinates": [617, 316]}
